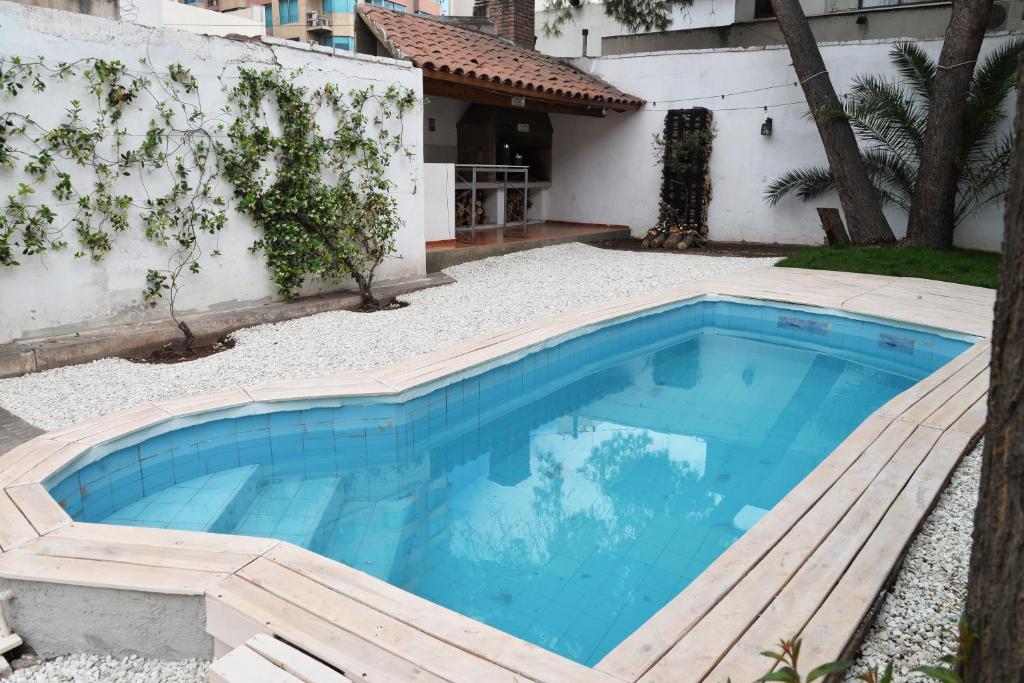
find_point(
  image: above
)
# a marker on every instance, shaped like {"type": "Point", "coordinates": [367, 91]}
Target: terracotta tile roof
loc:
{"type": "Point", "coordinates": [439, 46]}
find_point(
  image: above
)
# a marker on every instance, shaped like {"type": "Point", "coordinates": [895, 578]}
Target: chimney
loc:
{"type": "Point", "coordinates": [512, 19]}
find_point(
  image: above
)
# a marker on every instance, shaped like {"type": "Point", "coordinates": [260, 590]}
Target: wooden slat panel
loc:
{"type": "Point", "coordinates": [356, 658]}
{"type": "Point", "coordinates": [18, 564]}
{"type": "Point", "coordinates": [467, 634]}
{"type": "Point", "coordinates": [243, 665]}
{"type": "Point", "coordinates": [641, 650]}
{"type": "Point", "coordinates": [294, 662]}
{"type": "Point", "coordinates": [372, 625]}
{"type": "Point", "coordinates": [698, 651]}
{"type": "Point", "coordinates": [793, 607]}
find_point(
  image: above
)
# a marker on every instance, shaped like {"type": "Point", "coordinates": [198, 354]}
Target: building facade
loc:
{"type": "Point", "coordinates": [324, 22]}
{"type": "Point", "coordinates": [718, 24]}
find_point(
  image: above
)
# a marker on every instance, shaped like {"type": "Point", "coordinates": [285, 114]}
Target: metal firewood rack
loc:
{"type": "Point", "coordinates": [481, 178]}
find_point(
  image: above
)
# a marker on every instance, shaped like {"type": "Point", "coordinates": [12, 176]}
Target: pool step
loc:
{"type": "Point", "coordinates": [212, 502]}
{"type": "Point", "coordinates": [300, 511]}
{"type": "Point", "coordinates": [373, 537]}
{"type": "Point", "coordinates": [265, 659]}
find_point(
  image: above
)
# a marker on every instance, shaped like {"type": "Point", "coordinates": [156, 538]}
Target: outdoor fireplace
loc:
{"type": "Point", "coordinates": [496, 135]}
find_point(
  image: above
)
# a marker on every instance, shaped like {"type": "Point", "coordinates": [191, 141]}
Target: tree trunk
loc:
{"type": "Point", "coordinates": [995, 590]}
{"type": "Point", "coordinates": [934, 204]}
{"type": "Point", "coordinates": [860, 201]}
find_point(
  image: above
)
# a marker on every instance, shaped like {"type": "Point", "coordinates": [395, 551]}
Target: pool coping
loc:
{"type": "Point", "coordinates": [842, 530]}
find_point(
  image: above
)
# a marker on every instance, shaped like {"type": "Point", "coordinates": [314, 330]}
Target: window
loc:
{"type": "Point", "coordinates": [763, 9]}
{"type": "Point", "coordinates": [388, 4]}
{"type": "Point", "coordinates": [289, 11]}
{"type": "Point", "coordinates": [339, 42]}
{"type": "Point", "coordinates": [268, 15]}
{"type": "Point", "coordinates": [339, 6]}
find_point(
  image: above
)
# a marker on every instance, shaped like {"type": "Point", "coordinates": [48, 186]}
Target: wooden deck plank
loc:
{"type": "Point", "coordinates": [14, 527]}
{"type": "Point", "coordinates": [517, 655]}
{"type": "Point", "coordinates": [167, 538]}
{"type": "Point", "coordinates": [39, 508]}
{"type": "Point", "coordinates": [794, 605]}
{"type": "Point", "coordinates": [645, 646]}
{"type": "Point", "coordinates": [698, 650]}
{"type": "Point", "coordinates": [243, 665]}
{"type": "Point", "coordinates": [372, 625]}
{"type": "Point", "coordinates": [902, 402]}
{"type": "Point", "coordinates": [938, 396]}
{"type": "Point", "coordinates": [355, 657]}
{"type": "Point", "coordinates": [17, 462]}
{"type": "Point", "coordinates": [131, 553]}
{"type": "Point", "coordinates": [27, 566]}
{"type": "Point", "coordinates": [827, 635]}
{"type": "Point", "coordinates": [294, 662]}
{"type": "Point", "coordinates": [950, 411]}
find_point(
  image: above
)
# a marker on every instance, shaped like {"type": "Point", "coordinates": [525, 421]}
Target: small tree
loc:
{"type": "Point", "coordinates": [323, 201]}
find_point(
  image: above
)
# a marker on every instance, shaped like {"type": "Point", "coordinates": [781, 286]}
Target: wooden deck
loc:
{"type": "Point", "coordinates": [813, 566]}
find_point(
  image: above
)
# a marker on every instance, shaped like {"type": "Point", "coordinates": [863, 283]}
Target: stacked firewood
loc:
{"type": "Point", "coordinates": [670, 233]}
{"type": "Point", "coordinates": [464, 209]}
{"type": "Point", "coordinates": [513, 207]}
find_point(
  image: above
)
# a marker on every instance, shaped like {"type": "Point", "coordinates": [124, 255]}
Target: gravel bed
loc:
{"type": "Point", "coordinates": [492, 294]}
{"type": "Point", "coordinates": [97, 669]}
{"type": "Point", "coordinates": [917, 623]}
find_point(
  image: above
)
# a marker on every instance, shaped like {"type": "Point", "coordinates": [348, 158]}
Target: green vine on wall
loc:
{"type": "Point", "coordinates": [322, 199]}
{"type": "Point", "coordinates": [309, 166]}
{"type": "Point", "coordinates": [92, 167]}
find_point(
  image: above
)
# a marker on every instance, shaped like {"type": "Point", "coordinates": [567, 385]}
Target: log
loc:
{"type": "Point", "coordinates": [686, 242]}
{"type": "Point", "coordinates": [659, 240]}
{"type": "Point", "coordinates": [832, 224]}
{"type": "Point", "coordinates": [674, 239]}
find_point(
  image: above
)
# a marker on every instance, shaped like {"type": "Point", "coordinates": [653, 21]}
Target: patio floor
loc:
{"type": "Point", "coordinates": [812, 567]}
{"type": "Point", "coordinates": [446, 253]}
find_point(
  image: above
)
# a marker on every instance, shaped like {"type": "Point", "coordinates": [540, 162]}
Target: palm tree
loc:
{"type": "Point", "coordinates": [890, 117]}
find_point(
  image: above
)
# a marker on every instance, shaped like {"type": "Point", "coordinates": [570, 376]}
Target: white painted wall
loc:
{"type": "Point", "coordinates": [244, 22]}
{"type": "Point", "coordinates": [59, 294]}
{"type": "Point", "coordinates": [439, 201]}
{"type": "Point", "coordinates": [569, 41]}
{"type": "Point", "coordinates": [441, 144]}
{"type": "Point", "coordinates": [606, 170]}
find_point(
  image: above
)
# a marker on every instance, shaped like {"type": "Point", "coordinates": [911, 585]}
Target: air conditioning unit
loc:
{"type": "Point", "coordinates": [999, 17]}
{"type": "Point", "coordinates": [316, 20]}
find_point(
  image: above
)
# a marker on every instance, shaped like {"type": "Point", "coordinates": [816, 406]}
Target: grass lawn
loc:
{"type": "Point", "coordinates": [963, 266]}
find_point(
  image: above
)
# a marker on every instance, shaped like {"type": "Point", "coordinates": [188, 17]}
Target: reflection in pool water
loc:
{"type": "Point", "coordinates": [563, 497]}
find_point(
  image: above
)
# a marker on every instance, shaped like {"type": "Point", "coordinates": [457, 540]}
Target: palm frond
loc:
{"type": "Point", "coordinates": [984, 179]}
{"type": "Point", "coordinates": [993, 81]}
{"type": "Point", "coordinates": [915, 66]}
{"type": "Point", "coordinates": [892, 177]}
{"type": "Point", "coordinates": [887, 115]}
{"type": "Point", "coordinates": [806, 183]}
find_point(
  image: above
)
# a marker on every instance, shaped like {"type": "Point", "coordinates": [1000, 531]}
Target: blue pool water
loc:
{"type": "Point", "coordinates": [563, 496]}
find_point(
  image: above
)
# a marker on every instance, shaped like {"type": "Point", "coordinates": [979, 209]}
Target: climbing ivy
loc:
{"type": "Point", "coordinates": [138, 152]}
{"type": "Point", "coordinates": [309, 166]}
{"type": "Point", "coordinates": [86, 170]}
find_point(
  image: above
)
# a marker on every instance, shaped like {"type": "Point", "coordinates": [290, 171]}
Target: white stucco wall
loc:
{"type": "Point", "coordinates": [243, 22]}
{"type": "Point", "coordinates": [569, 40]}
{"type": "Point", "coordinates": [60, 294]}
{"type": "Point", "coordinates": [439, 201]}
{"type": "Point", "coordinates": [606, 170]}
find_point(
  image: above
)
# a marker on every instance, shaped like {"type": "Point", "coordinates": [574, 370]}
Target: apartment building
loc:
{"type": "Point", "coordinates": [324, 22]}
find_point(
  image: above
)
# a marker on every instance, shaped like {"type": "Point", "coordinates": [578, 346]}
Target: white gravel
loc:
{"type": "Point", "coordinates": [97, 669]}
{"type": "Point", "coordinates": [917, 623]}
{"type": "Point", "coordinates": [492, 294]}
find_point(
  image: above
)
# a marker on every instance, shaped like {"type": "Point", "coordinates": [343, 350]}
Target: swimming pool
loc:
{"type": "Point", "coordinates": [563, 495]}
